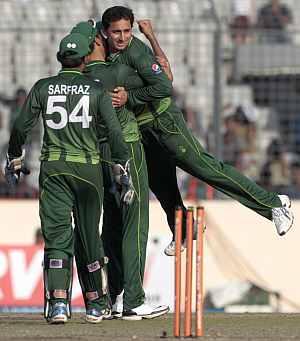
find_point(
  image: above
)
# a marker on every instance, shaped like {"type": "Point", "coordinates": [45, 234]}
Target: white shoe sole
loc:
{"type": "Point", "coordinates": [93, 319]}
{"type": "Point", "coordinates": [146, 316]}
{"type": "Point", "coordinates": [59, 319]}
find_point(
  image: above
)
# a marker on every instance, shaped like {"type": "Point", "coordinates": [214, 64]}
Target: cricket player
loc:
{"type": "Point", "coordinates": [125, 227]}
{"type": "Point", "coordinates": [169, 128]}
{"type": "Point", "coordinates": [73, 109]}
{"type": "Point", "coordinates": [161, 167]}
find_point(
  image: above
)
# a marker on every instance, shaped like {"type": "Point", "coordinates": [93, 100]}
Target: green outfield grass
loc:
{"type": "Point", "coordinates": [218, 326]}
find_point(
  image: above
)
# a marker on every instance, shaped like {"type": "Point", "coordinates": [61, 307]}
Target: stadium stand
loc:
{"type": "Point", "coordinates": [31, 29]}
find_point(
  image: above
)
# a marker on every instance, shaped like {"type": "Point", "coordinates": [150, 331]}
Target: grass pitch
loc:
{"type": "Point", "coordinates": [218, 326]}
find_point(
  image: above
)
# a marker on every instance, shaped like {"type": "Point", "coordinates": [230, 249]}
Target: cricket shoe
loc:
{"type": "Point", "coordinates": [94, 315]}
{"type": "Point", "coordinates": [117, 308]}
{"type": "Point", "coordinates": [107, 314]}
{"type": "Point", "coordinates": [170, 248]}
{"type": "Point", "coordinates": [144, 311]}
{"type": "Point", "coordinates": [283, 217]}
{"type": "Point", "coordinates": [58, 313]}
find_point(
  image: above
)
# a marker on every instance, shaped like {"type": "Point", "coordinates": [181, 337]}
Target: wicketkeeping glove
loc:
{"type": "Point", "coordinates": [13, 169]}
{"type": "Point", "coordinates": [123, 180]}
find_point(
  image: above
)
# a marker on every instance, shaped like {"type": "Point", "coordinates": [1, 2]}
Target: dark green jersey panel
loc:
{"type": "Point", "coordinates": [158, 87]}
{"type": "Point", "coordinates": [73, 109]}
{"type": "Point", "coordinates": [111, 75]}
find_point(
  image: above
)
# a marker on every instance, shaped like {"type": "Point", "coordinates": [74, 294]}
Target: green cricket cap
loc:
{"type": "Point", "coordinates": [87, 29]}
{"type": "Point", "coordinates": [75, 45]}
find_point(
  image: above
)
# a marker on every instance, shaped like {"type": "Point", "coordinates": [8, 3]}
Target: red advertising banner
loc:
{"type": "Point", "coordinates": [21, 277]}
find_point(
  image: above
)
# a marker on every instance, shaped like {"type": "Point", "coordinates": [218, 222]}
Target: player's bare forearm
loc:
{"type": "Point", "coordinates": [161, 56]}
{"type": "Point", "coordinates": [145, 27]}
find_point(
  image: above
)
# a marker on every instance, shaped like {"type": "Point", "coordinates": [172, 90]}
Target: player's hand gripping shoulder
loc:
{"type": "Point", "coordinates": [123, 180]}
{"type": "Point", "coordinates": [13, 169]}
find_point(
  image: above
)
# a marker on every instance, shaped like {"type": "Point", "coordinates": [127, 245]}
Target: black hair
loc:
{"type": "Point", "coordinates": [92, 46]}
{"type": "Point", "coordinates": [21, 92]}
{"type": "Point", "coordinates": [117, 13]}
{"type": "Point", "coordinates": [295, 164]}
{"type": "Point", "coordinates": [240, 115]}
{"type": "Point", "coordinates": [275, 148]}
{"type": "Point", "coordinates": [66, 61]}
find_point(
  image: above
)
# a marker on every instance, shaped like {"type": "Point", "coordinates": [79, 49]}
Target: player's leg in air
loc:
{"type": "Point", "coordinates": [179, 142]}
{"type": "Point", "coordinates": [192, 158]}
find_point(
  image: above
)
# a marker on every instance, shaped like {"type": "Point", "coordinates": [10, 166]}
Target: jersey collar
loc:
{"type": "Point", "coordinates": [72, 71]}
{"type": "Point", "coordinates": [97, 62]}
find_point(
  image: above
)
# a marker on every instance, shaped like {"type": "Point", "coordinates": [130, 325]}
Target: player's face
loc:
{"type": "Point", "coordinates": [119, 34]}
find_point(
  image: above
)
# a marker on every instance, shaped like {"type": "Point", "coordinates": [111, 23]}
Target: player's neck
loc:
{"type": "Point", "coordinates": [96, 55]}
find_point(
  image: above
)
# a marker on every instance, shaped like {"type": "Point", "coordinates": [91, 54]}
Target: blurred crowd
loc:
{"type": "Point", "coordinates": [274, 165]}
{"type": "Point", "coordinates": [271, 21]}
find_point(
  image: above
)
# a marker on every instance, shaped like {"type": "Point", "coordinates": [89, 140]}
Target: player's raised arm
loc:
{"type": "Point", "coordinates": [145, 26]}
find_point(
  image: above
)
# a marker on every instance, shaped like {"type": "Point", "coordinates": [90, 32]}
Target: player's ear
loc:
{"type": "Point", "coordinates": [104, 33]}
{"type": "Point", "coordinates": [98, 41]}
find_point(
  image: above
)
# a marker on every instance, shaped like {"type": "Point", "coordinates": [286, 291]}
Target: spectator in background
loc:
{"type": "Point", "coordinates": [248, 162]}
{"type": "Point", "coordinates": [240, 137]}
{"type": "Point", "coordinates": [33, 142]}
{"type": "Point", "coordinates": [4, 189]}
{"type": "Point", "coordinates": [232, 138]}
{"type": "Point", "coordinates": [275, 173]}
{"type": "Point", "coordinates": [293, 190]}
{"type": "Point", "coordinates": [15, 104]}
{"type": "Point", "coordinates": [273, 19]}
{"type": "Point", "coordinates": [242, 20]}
{"type": "Point", "coordinates": [38, 237]}
{"type": "Point", "coordinates": [25, 190]}
{"type": "Point", "coordinates": [191, 116]}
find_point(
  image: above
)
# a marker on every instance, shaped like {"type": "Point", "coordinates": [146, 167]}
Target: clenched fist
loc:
{"type": "Point", "coordinates": [145, 27]}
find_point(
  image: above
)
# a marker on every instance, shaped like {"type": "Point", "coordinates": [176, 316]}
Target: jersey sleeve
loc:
{"type": "Point", "coordinates": [158, 85]}
{"type": "Point", "coordinates": [25, 121]}
{"type": "Point", "coordinates": [119, 150]}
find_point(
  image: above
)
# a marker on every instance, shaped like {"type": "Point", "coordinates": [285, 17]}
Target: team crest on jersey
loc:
{"type": "Point", "coordinates": [156, 68]}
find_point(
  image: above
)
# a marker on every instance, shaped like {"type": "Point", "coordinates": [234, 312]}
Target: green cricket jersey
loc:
{"type": "Point", "coordinates": [74, 110]}
{"type": "Point", "coordinates": [157, 88]}
{"type": "Point", "coordinates": [111, 75]}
